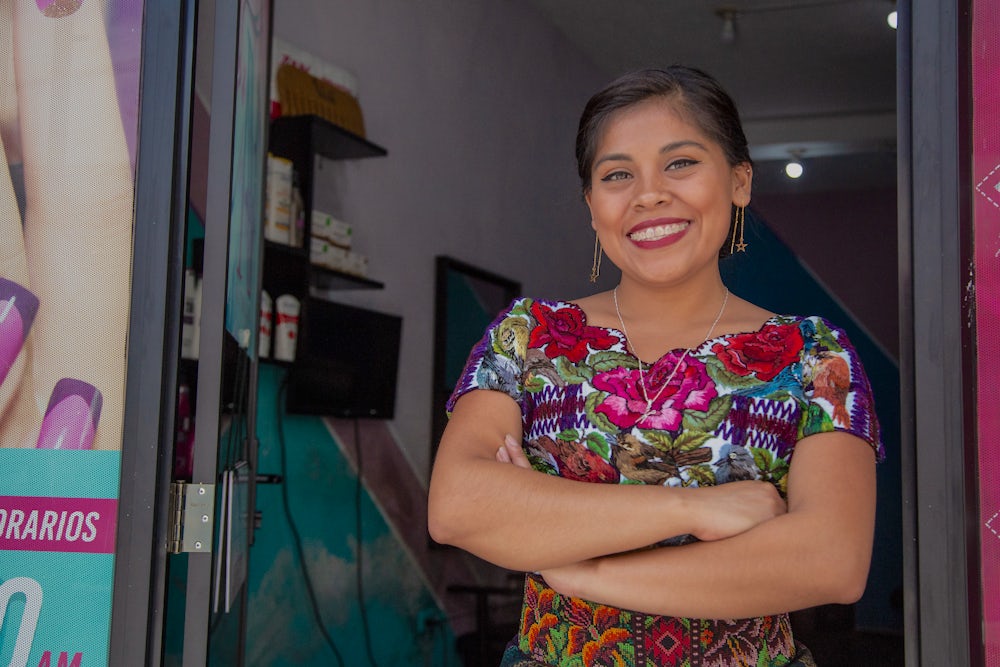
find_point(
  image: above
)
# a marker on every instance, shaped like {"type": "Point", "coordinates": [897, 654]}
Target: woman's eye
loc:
{"type": "Point", "coordinates": [616, 176]}
{"type": "Point", "coordinates": [681, 163]}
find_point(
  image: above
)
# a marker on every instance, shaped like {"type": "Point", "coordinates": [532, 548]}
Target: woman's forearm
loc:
{"type": "Point", "coordinates": [818, 553]}
{"type": "Point", "coordinates": [522, 519]}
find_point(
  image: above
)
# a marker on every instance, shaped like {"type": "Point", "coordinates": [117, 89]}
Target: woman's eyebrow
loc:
{"type": "Point", "coordinates": [613, 157]}
{"type": "Point", "coordinates": [672, 146]}
{"type": "Point", "coordinates": [684, 143]}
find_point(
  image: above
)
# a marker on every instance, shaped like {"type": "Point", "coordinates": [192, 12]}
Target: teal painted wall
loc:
{"type": "Point", "coordinates": [321, 488]}
{"type": "Point", "coordinates": [771, 275]}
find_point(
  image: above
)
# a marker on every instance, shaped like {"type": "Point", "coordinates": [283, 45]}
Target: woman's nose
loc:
{"type": "Point", "coordinates": [652, 192]}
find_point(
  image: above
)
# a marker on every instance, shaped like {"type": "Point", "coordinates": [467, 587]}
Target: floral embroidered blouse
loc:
{"type": "Point", "coordinates": [733, 410]}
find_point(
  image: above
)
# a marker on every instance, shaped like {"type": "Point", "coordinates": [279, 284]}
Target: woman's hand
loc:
{"type": "Point", "coordinates": [816, 553]}
{"type": "Point", "coordinates": [729, 509]}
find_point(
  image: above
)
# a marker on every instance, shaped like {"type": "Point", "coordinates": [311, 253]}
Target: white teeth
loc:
{"type": "Point", "coordinates": [658, 232]}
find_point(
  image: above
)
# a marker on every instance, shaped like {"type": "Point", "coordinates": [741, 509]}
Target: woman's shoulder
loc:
{"type": "Point", "coordinates": [527, 305]}
{"type": "Point", "coordinates": [811, 326]}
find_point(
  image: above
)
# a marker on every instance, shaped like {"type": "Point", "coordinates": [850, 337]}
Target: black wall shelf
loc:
{"type": "Point", "coordinates": [287, 269]}
{"type": "Point", "coordinates": [296, 137]}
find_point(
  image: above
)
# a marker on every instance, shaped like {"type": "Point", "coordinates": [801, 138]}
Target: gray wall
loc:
{"type": "Point", "coordinates": [477, 103]}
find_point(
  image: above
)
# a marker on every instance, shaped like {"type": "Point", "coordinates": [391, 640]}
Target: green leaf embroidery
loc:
{"type": "Point", "coordinates": [825, 337]}
{"type": "Point", "coordinates": [573, 373]}
{"type": "Point", "coordinates": [569, 435]}
{"type": "Point", "coordinates": [598, 419]}
{"type": "Point", "coordinates": [659, 439]}
{"type": "Point", "coordinates": [724, 378]}
{"type": "Point", "coordinates": [700, 474]}
{"type": "Point", "coordinates": [534, 384]}
{"type": "Point", "coordinates": [598, 444]}
{"type": "Point", "coordinates": [782, 484]}
{"type": "Point", "coordinates": [687, 441]}
{"type": "Point", "coordinates": [522, 308]}
{"type": "Point", "coordinates": [607, 360]}
{"type": "Point", "coordinates": [542, 465]}
{"type": "Point", "coordinates": [772, 468]}
{"type": "Point", "coordinates": [815, 420]}
{"type": "Point", "coordinates": [763, 458]}
{"type": "Point", "coordinates": [710, 419]}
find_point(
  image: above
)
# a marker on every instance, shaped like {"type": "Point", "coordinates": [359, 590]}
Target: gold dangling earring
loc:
{"type": "Point", "coordinates": [738, 246]}
{"type": "Point", "coordinates": [595, 270]}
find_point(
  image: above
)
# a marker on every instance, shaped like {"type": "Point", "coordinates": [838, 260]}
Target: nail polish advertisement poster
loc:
{"type": "Point", "coordinates": [57, 537]}
{"type": "Point", "coordinates": [69, 100]}
{"type": "Point", "coordinates": [986, 176]}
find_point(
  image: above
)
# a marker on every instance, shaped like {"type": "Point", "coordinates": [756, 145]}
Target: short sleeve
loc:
{"type": "Point", "coordinates": [837, 392]}
{"type": "Point", "coordinates": [496, 362]}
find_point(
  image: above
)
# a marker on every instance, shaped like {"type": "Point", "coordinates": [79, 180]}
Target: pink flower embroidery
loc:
{"type": "Point", "coordinates": [625, 405]}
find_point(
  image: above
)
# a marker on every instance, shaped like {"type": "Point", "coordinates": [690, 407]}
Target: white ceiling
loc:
{"type": "Point", "coordinates": [814, 76]}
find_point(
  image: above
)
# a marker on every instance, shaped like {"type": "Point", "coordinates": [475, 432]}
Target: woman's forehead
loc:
{"type": "Point", "coordinates": [654, 119]}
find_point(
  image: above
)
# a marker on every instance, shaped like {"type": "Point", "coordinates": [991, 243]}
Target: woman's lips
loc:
{"type": "Point", "coordinates": [658, 233]}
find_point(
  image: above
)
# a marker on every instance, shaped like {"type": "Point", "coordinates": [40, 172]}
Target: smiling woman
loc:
{"type": "Point", "coordinates": [672, 493]}
{"type": "Point", "coordinates": [645, 197]}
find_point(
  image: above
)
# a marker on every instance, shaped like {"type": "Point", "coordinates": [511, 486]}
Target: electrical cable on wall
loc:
{"type": "Point", "coordinates": [439, 630]}
{"type": "Point", "coordinates": [296, 537]}
{"type": "Point", "coordinates": [357, 530]}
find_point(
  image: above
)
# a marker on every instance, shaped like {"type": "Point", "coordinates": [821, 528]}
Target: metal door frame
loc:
{"type": "Point", "coordinates": [937, 355]}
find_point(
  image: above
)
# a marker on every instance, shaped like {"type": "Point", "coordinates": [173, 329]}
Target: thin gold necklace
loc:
{"type": "Point", "coordinates": [642, 372]}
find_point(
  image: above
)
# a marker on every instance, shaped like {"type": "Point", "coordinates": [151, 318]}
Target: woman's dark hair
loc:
{"type": "Point", "coordinates": [697, 96]}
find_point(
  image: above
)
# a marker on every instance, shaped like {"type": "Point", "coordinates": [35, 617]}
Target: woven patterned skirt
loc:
{"type": "Point", "coordinates": [562, 631]}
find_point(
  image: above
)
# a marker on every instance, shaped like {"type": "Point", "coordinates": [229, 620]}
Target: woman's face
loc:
{"type": "Point", "coordinates": [661, 195]}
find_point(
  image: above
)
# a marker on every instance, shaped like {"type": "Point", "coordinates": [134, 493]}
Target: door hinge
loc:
{"type": "Point", "coordinates": [192, 511]}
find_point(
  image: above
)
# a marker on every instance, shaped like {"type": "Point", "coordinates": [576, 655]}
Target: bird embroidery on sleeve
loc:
{"type": "Point", "coordinates": [831, 380]}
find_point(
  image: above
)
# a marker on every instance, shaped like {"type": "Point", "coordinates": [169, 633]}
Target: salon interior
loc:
{"type": "Point", "coordinates": [416, 172]}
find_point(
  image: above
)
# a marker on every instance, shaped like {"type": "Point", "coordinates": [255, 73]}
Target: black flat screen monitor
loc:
{"type": "Point", "coordinates": [346, 362]}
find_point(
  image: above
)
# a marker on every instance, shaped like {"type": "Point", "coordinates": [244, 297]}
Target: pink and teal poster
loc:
{"type": "Point", "coordinates": [986, 175]}
{"type": "Point", "coordinates": [58, 513]}
{"type": "Point", "coordinates": [69, 99]}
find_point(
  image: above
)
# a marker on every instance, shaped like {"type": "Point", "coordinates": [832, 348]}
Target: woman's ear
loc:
{"type": "Point", "coordinates": [742, 183]}
{"type": "Point", "coordinates": [590, 209]}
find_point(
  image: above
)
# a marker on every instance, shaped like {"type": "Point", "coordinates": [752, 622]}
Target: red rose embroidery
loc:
{"type": "Point", "coordinates": [764, 353]}
{"type": "Point", "coordinates": [563, 333]}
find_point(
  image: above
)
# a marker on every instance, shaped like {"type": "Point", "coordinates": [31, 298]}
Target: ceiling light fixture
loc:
{"type": "Point", "coordinates": [794, 168]}
{"type": "Point", "coordinates": [891, 19]}
{"type": "Point", "coordinates": [728, 16]}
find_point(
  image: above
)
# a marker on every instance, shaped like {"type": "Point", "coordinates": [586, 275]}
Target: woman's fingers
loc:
{"type": "Point", "coordinates": [78, 213]}
{"type": "Point", "coordinates": [18, 307]}
{"type": "Point", "coordinates": [515, 454]}
{"type": "Point", "coordinates": [510, 452]}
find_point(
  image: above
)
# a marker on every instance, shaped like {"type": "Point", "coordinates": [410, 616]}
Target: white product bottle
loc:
{"type": "Point", "coordinates": [286, 329]}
